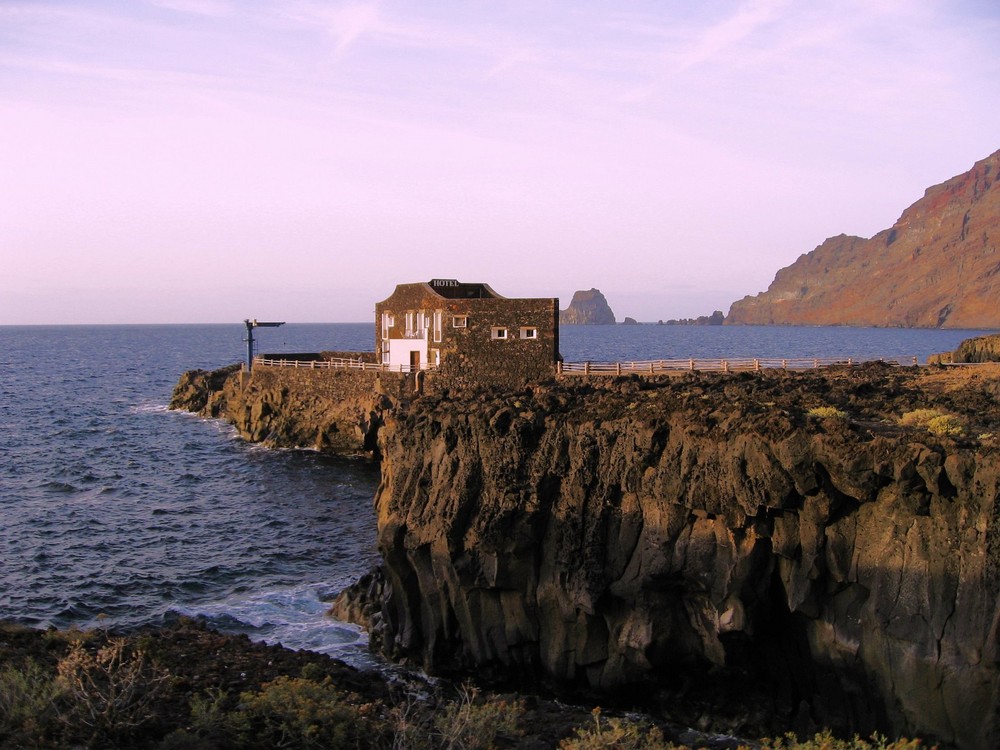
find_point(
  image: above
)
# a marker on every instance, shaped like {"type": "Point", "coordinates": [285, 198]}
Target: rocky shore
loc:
{"type": "Point", "coordinates": [186, 687]}
{"type": "Point", "coordinates": [773, 551]}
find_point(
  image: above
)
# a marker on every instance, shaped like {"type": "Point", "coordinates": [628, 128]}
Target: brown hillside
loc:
{"type": "Point", "coordinates": [937, 267]}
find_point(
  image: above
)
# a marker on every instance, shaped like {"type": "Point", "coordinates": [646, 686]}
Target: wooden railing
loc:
{"type": "Point", "coordinates": [645, 367]}
{"type": "Point", "coordinates": [339, 364]}
{"type": "Point", "coordinates": [732, 364]}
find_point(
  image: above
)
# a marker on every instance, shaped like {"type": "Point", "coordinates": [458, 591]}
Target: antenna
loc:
{"type": "Point", "coordinates": [251, 324]}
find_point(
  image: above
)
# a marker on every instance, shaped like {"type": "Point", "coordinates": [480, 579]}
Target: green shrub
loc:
{"type": "Point", "coordinates": [620, 734]}
{"type": "Point", "coordinates": [934, 421]}
{"type": "Point", "coordinates": [827, 412]}
{"type": "Point", "coordinates": [293, 712]}
{"type": "Point", "coordinates": [826, 741]}
{"type": "Point", "coordinates": [467, 724]}
{"type": "Point", "coordinates": [27, 705]}
{"type": "Point", "coordinates": [215, 719]}
{"type": "Point", "coordinates": [946, 424]}
{"type": "Point", "coordinates": [918, 417]}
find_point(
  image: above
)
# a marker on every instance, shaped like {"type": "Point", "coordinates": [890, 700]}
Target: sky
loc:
{"type": "Point", "coordinates": [206, 161]}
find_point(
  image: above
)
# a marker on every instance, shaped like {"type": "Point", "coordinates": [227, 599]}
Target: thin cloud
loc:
{"type": "Point", "coordinates": [346, 24]}
{"type": "Point", "coordinates": [723, 37]}
{"type": "Point", "coordinates": [211, 8]}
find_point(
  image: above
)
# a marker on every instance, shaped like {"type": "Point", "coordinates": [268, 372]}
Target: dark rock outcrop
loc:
{"type": "Point", "coordinates": [587, 308]}
{"type": "Point", "coordinates": [335, 411]}
{"type": "Point", "coordinates": [974, 350]}
{"type": "Point", "coordinates": [709, 531]}
{"type": "Point", "coordinates": [715, 319]}
{"type": "Point", "coordinates": [936, 267]}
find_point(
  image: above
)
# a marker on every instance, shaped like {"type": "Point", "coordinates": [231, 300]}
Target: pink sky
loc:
{"type": "Point", "coordinates": [183, 161]}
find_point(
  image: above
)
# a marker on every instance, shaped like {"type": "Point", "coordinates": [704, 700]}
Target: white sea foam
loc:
{"type": "Point", "coordinates": [295, 617]}
{"type": "Point", "coordinates": [149, 409]}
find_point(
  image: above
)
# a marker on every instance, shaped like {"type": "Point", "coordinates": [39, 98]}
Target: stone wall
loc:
{"type": "Point", "coordinates": [511, 362]}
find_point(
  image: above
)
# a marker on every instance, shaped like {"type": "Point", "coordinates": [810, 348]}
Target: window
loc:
{"type": "Point", "coordinates": [498, 332]}
{"type": "Point", "coordinates": [460, 321]}
{"type": "Point", "coordinates": [529, 333]}
{"type": "Point", "coordinates": [437, 326]}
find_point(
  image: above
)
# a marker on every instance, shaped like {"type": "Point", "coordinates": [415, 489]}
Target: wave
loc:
{"type": "Point", "coordinates": [295, 617]}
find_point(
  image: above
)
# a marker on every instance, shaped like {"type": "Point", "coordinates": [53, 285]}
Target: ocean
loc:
{"type": "Point", "coordinates": [116, 512]}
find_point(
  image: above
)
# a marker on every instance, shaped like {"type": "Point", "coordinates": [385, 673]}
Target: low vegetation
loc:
{"type": "Point", "coordinates": [90, 690]}
{"type": "Point", "coordinates": [827, 412]}
{"type": "Point", "coordinates": [623, 734]}
{"type": "Point", "coordinates": [93, 690]}
{"type": "Point", "coordinates": [934, 421]}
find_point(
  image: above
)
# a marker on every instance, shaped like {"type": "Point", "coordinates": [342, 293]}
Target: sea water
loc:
{"type": "Point", "coordinates": [115, 511]}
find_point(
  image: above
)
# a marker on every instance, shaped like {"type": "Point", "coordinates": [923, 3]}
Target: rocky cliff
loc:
{"type": "Point", "coordinates": [937, 266]}
{"type": "Point", "coordinates": [336, 411]}
{"type": "Point", "coordinates": [788, 537]}
{"type": "Point", "coordinates": [975, 350]}
{"type": "Point", "coordinates": [587, 308]}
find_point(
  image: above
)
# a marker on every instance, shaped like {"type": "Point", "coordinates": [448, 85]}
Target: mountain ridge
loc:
{"type": "Point", "coordinates": [937, 266]}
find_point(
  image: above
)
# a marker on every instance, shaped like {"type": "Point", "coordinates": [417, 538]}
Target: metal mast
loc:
{"type": "Point", "coordinates": [251, 324]}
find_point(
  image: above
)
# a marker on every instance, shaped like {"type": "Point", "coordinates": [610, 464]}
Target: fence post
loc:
{"type": "Point", "coordinates": [850, 361]}
{"type": "Point", "coordinates": [914, 361]}
{"type": "Point", "coordinates": [756, 365]}
{"type": "Point", "coordinates": [618, 368]}
{"type": "Point", "coordinates": [725, 365]}
{"type": "Point", "coordinates": [784, 364]}
{"type": "Point", "coordinates": [691, 364]}
{"type": "Point", "coordinates": [815, 363]}
{"type": "Point", "coordinates": [586, 368]}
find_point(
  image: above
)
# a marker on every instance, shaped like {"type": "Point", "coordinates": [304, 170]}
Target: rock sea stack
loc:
{"type": "Point", "coordinates": [587, 308]}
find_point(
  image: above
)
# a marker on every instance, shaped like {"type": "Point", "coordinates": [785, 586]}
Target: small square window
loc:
{"type": "Point", "coordinates": [460, 321]}
{"type": "Point", "coordinates": [498, 332]}
{"type": "Point", "coordinates": [529, 333]}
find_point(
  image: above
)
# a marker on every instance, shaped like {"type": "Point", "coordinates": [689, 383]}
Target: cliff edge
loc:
{"type": "Point", "coordinates": [936, 267]}
{"type": "Point", "coordinates": [800, 538]}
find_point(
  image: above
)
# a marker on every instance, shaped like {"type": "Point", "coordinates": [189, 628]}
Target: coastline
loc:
{"type": "Point", "coordinates": [424, 446]}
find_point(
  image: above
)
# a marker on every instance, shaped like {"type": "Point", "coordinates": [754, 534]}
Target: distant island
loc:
{"type": "Point", "coordinates": [715, 319]}
{"type": "Point", "coordinates": [587, 308]}
{"type": "Point", "coordinates": [938, 266]}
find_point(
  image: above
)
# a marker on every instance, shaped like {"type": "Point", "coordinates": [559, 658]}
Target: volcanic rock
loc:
{"type": "Point", "coordinates": [587, 308]}
{"type": "Point", "coordinates": [938, 266]}
{"type": "Point", "coordinates": [714, 533]}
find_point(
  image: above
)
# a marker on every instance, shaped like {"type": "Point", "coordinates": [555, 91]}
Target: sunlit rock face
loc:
{"type": "Point", "coordinates": [937, 266]}
{"type": "Point", "coordinates": [707, 529]}
{"type": "Point", "coordinates": [587, 308]}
